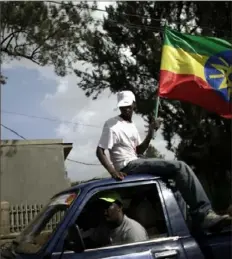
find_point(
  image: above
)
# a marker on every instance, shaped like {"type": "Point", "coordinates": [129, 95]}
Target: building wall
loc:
{"type": "Point", "coordinates": [32, 173]}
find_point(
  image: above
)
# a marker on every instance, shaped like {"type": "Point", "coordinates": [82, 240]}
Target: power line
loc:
{"type": "Point", "coordinates": [50, 119]}
{"type": "Point", "coordinates": [152, 28]}
{"type": "Point", "coordinates": [79, 162]}
{"type": "Point", "coordinates": [140, 16]}
{"type": "Point", "coordinates": [158, 20]}
{"type": "Point", "coordinates": [13, 131]}
{"type": "Point", "coordinates": [71, 160]}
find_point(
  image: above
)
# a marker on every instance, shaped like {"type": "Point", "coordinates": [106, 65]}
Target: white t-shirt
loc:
{"type": "Point", "coordinates": [121, 138]}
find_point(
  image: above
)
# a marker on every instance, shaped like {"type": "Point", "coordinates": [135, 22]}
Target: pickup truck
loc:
{"type": "Point", "coordinates": [62, 228]}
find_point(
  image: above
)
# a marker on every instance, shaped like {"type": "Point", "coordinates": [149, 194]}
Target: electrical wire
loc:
{"type": "Point", "coordinates": [50, 119]}
{"type": "Point", "coordinates": [140, 16]}
{"type": "Point", "coordinates": [13, 131]}
{"type": "Point", "coordinates": [79, 162]}
{"type": "Point", "coordinates": [71, 160]}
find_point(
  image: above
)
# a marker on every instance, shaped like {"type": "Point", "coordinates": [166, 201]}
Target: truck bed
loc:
{"type": "Point", "coordinates": [216, 245]}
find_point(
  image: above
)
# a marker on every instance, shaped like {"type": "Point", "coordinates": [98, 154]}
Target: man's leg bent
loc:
{"type": "Point", "coordinates": [186, 181]}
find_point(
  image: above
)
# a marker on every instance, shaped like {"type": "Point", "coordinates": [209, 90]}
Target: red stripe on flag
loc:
{"type": "Point", "coordinates": [193, 89]}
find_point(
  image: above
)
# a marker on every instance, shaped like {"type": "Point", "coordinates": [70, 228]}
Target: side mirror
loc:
{"type": "Point", "coordinates": [73, 240]}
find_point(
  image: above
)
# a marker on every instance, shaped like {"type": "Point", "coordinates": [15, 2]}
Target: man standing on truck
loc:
{"type": "Point", "coordinates": [120, 136]}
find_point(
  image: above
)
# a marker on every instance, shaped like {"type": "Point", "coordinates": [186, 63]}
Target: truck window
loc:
{"type": "Point", "coordinates": [38, 232]}
{"type": "Point", "coordinates": [140, 203]}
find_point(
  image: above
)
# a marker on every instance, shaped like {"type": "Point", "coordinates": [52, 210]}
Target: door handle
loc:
{"type": "Point", "coordinates": [165, 254]}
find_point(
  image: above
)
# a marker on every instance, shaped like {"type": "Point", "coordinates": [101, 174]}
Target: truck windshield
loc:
{"type": "Point", "coordinates": [39, 231]}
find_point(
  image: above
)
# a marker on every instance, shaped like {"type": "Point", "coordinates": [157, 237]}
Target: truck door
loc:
{"type": "Point", "coordinates": [159, 249]}
{"type": "Point", "coordinates": [162, 243]}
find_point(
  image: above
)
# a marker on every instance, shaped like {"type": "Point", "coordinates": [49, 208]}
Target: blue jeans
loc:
{"type": "Point", "coordinates": [186, 181]}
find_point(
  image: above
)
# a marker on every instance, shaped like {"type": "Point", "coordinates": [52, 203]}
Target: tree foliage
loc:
{"type": "Point", "coordinates": [136, 28]}
{"type": "Point", "coordinates": [152, 152]}
{"type": "Point", "coordinates": [47, 33]}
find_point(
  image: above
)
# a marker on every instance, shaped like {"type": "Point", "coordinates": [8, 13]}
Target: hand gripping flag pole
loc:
{"type": "Point", "coordinates": [157, 103]}
{"type": "Point", "coordinates": [156, 110]}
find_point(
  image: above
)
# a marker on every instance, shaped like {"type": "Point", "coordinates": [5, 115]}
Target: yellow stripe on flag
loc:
{"type": "Point", "coordinates": [178, 61]}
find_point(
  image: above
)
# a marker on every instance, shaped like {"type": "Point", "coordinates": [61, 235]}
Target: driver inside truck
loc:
{"type": "Point", "coordinates": [116, 228]}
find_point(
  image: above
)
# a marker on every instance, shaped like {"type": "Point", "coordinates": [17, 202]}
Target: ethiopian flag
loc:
{"type": "Point", "coordinates": [198, 70]}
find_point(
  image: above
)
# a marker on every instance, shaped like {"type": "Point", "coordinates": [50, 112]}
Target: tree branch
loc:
{"type": "Point", "coordinates": [7, 37]}
{"type": "Point", "coordinates": [8, 43]}
{"type": "Point", "coordinates": [47, 38]}
{"type": "Point", "coordinates": [16, 53]}
{"type": "Point", "coordinates": [12, 34]}
{"type": "Point", "coordinates": [20, 55]}
{"type": "Point", "coordinates": [194, 29]}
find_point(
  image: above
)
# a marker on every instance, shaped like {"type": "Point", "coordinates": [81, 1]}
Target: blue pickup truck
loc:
{"type": "Point", "coordinates": [62, 228]}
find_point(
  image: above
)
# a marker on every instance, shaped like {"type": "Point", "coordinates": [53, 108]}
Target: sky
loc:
{"type": "Point", "coordinates": [37, 91]}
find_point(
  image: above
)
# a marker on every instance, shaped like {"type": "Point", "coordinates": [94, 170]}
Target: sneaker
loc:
{"type": "Point", "coordinates": [213, 220]}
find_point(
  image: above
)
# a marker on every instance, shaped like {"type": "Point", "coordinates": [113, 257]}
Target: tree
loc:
{"type": "Point", "coordinates": [137, 28]}
{"type": "Point", "coordinates": [46, 33]}
{"type": "Point", "coordinates": [2, 79]}
{"type": "Point", "coordinates": [75, 183]}
{"type": "Point", "coordinates": [152, 152]}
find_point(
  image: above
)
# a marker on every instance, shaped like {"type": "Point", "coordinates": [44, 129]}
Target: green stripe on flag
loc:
{"type": "Point", "coordinates": [206, 46]}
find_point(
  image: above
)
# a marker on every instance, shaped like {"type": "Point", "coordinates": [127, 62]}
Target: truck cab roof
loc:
{"type": "Point", "coordinates": [108, 181]}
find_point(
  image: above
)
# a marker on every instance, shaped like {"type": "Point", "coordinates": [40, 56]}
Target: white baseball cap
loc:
{"type": "Point", "coordinates": [125, 98]}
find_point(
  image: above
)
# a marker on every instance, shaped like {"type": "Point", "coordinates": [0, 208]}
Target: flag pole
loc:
{"type": "Point", "coordinates": [156, 109]}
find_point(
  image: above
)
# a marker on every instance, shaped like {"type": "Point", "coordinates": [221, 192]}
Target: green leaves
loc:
{"type": "Point", "coordinates": [47, 33]}
{"type": "Point", "coordinates": [152, 152]}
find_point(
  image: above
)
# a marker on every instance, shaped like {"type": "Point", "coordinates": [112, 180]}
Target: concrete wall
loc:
{"type": "Point", "coordinates": [31, 173]}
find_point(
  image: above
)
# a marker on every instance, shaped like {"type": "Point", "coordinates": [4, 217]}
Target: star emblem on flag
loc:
{"type": "Point", "coordinates": [219, 73]}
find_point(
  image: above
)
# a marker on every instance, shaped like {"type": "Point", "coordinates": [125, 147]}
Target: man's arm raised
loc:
{"type": "Point", "coordinates": [154, 126]}
{"type": "Point", "coordinates": [140, 149]}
